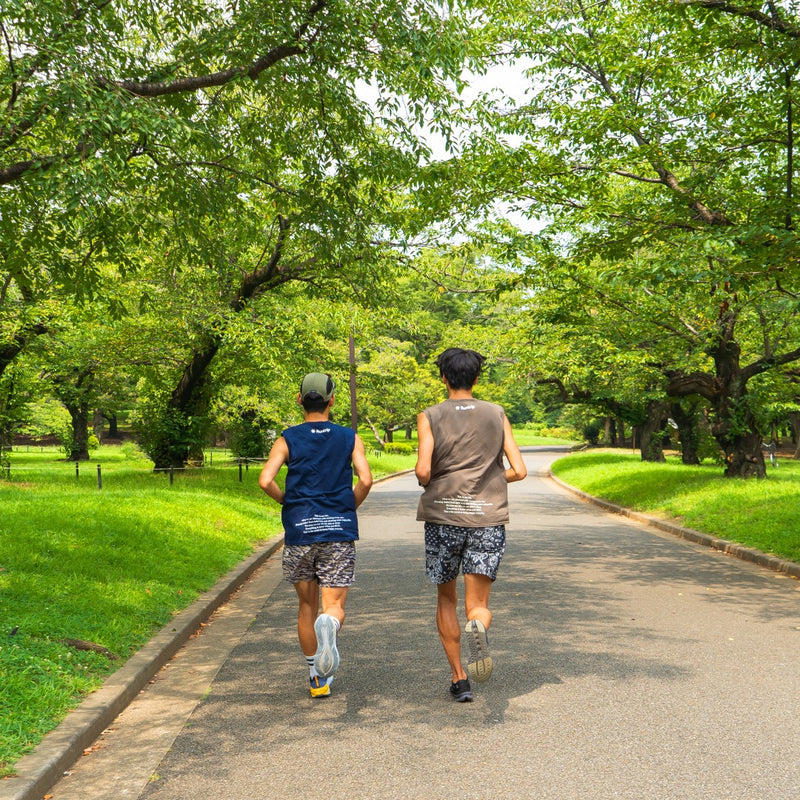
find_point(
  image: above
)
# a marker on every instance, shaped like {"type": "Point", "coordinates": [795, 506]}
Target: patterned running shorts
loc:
{"type": "Point", "coordinates": [332, 564]}
{"type": "Point", "coordinates": [477, 551]}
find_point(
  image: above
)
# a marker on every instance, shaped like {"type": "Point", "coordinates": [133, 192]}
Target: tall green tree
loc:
{"type": "Point", "coordinates": [113, 115]}
{"type": "Point", "coordinates": [669, 132]}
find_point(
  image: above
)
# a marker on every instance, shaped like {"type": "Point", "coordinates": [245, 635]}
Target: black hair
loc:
{"type": "Point", "coordinates": [460, 367]}
{"type": "Point", "coordinates": [314, 402]}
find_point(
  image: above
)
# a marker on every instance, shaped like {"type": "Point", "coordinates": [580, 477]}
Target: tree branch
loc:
{"type": "Point", "coordinates": [773, 22]}
{"type": "Point", "coordinates": [233, 171]}
{"type": "Point", "coordinates": [680, 384]}
{"type": "Point", "coordinates": [256, 280]}
{"type": "Point", "coordinates": [162, 88]}
{"type": "Point", "coordinates": [768, 363]}
{"type": "Point", "coordinates": [198, 82]}
{"type": "Point", "coordinates": [252, 70]}
{"type": "Point", "coordinates": [34, 65]}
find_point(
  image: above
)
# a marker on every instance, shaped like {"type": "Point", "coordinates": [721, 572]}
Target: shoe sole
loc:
{"type": "Point", "coordinates": [326, 659]}
{"type": "Point", "coordinates": [463, 697]}
{"type": "Point", "coordinates": [479, 666]}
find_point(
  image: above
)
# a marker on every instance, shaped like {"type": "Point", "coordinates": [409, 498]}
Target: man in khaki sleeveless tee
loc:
{"type": "Point", "coordinates": [462, 442]}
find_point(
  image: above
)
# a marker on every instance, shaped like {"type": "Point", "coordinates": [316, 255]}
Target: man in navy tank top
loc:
{"type": "Point", "coordinates": [318, 512]}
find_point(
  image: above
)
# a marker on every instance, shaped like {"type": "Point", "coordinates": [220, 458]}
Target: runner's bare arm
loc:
{"type": "Point", "coordinates": [424, 450]}
{"type": "Point", "coordinates": [363, 472]}
{"type": "Point", "coordinates": [278, 456]}
{"type": "Point", "coordinates": [517, 469]}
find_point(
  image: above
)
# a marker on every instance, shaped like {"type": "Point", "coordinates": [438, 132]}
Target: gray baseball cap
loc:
{"type": "Point", "coordinates": [317, 382]}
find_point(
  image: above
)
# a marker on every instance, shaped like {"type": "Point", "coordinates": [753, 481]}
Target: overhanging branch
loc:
{"type": "Point", "coordinates": [773, 21]}
{"type": "Point", "coordinates": [187, 85]}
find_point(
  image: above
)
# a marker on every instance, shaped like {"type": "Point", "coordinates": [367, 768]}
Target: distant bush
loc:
{"type": "Point", "coordinates": [591, 432]}
{"type": "Point", "coordinates": [49, 418]}
{"type": "Point", "coordinates": [249, 436]}
{"type": "Point", "coordinates": [132, 451]}
{"type": "Point", "coordinates": [556, 433]}
{"type": "Point", "coordinates": [399, 448]}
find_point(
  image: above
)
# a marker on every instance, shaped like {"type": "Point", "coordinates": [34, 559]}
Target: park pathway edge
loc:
{"type": "Point", "coordinates": [790, 568]}
{"type": "Point", "coordinates": [40, 769]}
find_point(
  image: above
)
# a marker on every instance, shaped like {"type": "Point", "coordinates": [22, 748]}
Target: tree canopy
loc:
{"type": "Point", "coordinates": [657, 149]}
{"type": "Point", "coordinates": [237, 188]}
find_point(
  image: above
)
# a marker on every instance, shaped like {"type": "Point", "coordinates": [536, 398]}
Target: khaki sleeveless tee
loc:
{"type": "Point", "coordinates": [468, 486]}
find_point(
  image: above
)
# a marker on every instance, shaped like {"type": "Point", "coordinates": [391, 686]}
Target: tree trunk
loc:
{"type": "Point", "coordinates": [79, 449]}
{"type": "Point", "coordinates": [375, 432]}
{"type": "Point", "coordinates": [734, 426]}
{"type": "Point", "coordinates": [6, 424]}
{"type": "Point", "coordinates": [688, 432]}
{"type": "Point", "coordinates": [610, 432]}
{"type": "Point", "coordinates": [652, 446]}
{"type": "Point", "coordinates": [113, 432]}
{"type": "Point", "coordinates": [744, 457]}
{"type": "Point", "coordinates": [794, 423]}
{"type": "Point", "coordinates": [181, 439]}
{"type": "Point", "coordinates": [97, 424]}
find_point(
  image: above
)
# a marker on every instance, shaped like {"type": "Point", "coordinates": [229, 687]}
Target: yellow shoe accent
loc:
{"type": "Point", "coordinates": [319, 687]}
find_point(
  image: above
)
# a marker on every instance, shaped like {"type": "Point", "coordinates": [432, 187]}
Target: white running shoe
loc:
{"type": "Point", "coordinates": [326, 659]}
{"type": "Point", "coordinates": [479, 666]}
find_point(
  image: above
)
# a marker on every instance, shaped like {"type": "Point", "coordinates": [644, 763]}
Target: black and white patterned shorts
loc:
{"type": "Point", "coordinates": [332, 564]}
{"type": "Point", "coordinates": [477, 551]}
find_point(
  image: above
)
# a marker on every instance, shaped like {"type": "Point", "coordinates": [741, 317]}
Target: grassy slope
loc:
{"type": "Point", "coordinates": [761, 514]}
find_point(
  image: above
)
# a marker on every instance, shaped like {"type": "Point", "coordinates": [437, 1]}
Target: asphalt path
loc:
{"type": "Point", "coordinates": [628, 664]}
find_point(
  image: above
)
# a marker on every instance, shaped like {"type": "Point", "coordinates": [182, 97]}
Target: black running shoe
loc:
{"type": "Point", "coordinates": [461, 691]}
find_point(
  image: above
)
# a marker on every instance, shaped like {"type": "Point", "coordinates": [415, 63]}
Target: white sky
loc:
{"type": "Point", "coordinates": [507, 81]}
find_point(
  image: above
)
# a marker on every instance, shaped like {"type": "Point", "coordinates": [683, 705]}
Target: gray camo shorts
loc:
{"type": "Point", "coordinates": [477, 551]}
{"type": "Point", "coordinates": [331, 564]}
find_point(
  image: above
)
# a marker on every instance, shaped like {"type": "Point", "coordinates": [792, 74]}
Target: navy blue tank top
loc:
{"type": "Point", "coordinates": [319, 505]}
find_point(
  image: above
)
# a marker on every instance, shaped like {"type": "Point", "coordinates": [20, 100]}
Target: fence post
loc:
{"type": "Point", "coordinates": [76, 469]}
{"type": "Point", "coordinates": [99, 478]}
{"type": "Point", "coordinates": [240, 470]}
{"type": "Point", "coordinates": [171, 474]}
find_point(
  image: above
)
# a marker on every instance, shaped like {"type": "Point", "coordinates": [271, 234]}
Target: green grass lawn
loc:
{"type": "Point", "coordinates": [762, 514]}
{"type": "Point", "coordinates": [110, 566]}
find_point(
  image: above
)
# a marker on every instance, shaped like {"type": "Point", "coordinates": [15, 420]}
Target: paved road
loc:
{"type": "Point", "coordinates": [629, 664]}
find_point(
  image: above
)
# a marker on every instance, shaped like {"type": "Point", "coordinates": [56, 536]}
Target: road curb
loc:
{"type": "Point", "coordinates": [63, 746]}
{"type": "Point", "coordinates": [739, 551]}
